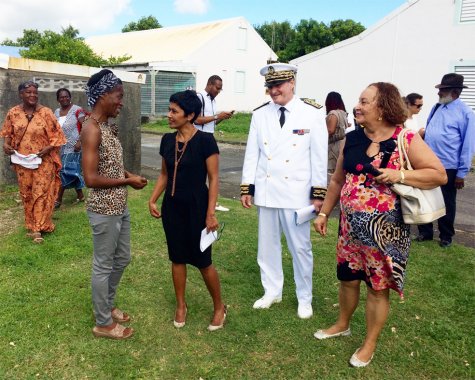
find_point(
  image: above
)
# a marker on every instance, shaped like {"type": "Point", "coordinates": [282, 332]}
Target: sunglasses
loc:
{"type": "Point", "coordinates": [217, 234]}
{"type": "Point", "coordinates": [418, 105]}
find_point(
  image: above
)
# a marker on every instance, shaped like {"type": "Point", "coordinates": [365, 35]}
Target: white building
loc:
{"type": "Point", "coordinates": [181, 57]}
{"type": "Point", "coordinates": [413, 47]}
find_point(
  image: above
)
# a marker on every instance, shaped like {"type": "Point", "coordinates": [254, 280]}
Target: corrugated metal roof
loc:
{"type": "Point", "coordinates": [163, 44]}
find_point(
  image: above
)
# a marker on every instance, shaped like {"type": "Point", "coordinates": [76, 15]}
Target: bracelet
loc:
{"type": "Point", "coordinates": [403, 176]}
{"type": "Point", "coordinates": [322, 214]}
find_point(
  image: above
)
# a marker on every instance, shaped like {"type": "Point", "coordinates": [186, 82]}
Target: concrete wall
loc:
{"type": "Point", "coordinates": [413, 48]}
{"type": "Point", "coordinates": [128, 120]}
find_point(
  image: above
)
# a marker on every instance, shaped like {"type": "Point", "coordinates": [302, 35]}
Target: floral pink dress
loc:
{"type": "Point", "coordinates": [373, 243]}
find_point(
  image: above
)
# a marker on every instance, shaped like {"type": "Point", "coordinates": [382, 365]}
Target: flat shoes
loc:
{"type": "Point", "coordinates": [357, 363]}
{"type": "Point", "coordinates": [320, 334]}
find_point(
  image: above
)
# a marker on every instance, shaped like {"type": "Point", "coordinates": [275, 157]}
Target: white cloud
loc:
{"type": "Point", "coordinates": [191, 6]}
{"type": "Point", "coordinates": [89, 16]}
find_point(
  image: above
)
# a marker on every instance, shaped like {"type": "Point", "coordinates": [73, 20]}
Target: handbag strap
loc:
{"type": "Point", "coordinates": [403, 158]}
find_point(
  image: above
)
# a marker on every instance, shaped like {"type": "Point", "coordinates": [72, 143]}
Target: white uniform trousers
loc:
{"type": "Point", "coordinates": [272, 221]}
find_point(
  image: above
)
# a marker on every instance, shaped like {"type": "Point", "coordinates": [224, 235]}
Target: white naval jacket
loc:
{"type": "Point", "coordinates": [284, 163]}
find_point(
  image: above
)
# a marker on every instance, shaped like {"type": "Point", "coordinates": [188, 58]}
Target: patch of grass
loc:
{"type": "Point", "coordinates": [232, 130]}
{"type": "Point", "coordinates": [9, 197]}
{"type": "Point", "coordinates": [47, 318]}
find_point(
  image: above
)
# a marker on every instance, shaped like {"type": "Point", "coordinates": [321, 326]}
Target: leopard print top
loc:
{"type": "Point", "coordinates": [113, 200]}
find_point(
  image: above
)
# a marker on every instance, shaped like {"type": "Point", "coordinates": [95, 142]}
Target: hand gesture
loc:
{"type": "Point", "coordinates": [320, 225]}
{"type": "Point", "coordinates": [224, 115]}
{"type": "Point", "coordinates": [137, 182]}
{"type": "Point", "coordinates": [211, 223]}
{"type": "Point", "coordinates": [246, 201]}
{"type": "Point", "coordinates": [154, 210]}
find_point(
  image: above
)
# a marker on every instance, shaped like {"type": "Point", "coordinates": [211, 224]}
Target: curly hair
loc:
{"type": "Point", "coordinates": [389, 101]}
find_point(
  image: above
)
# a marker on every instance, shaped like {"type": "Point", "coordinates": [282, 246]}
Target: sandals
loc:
{"type": "Point", "coordinates": [37, 238]}
{"type": "Point", "coordinates": [117, 332]}
{"type": "Point", "coordinates": [119, 316]}
{"type": "Point", "coordinates": [57, 205]}
{"type": "Point", "coordinates": [79, 200]}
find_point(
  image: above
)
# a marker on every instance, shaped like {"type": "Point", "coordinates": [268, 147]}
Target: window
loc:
{"type": "Point", "coordinates": [468, 94]}
{"type": "Point", "coordinates": [242, 38]}
{"type": "Point", "coordinates": [467, 11]}
{"type": "Point", "coordinates": [240, 81]}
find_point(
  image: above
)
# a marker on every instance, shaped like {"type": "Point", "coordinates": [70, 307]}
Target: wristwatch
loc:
{"type": "Point", "coordinates": [215, 117]}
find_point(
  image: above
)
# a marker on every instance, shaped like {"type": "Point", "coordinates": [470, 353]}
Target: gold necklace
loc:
{"type": "Point", "coordinates": [178, 159]}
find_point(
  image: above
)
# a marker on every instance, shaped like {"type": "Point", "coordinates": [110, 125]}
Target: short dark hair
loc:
{"type": "Point", "coordinates": [213, 78]}
{"type": "Point", "coordinates": [389, 100]}
{"type": "Point", "coordinates": [334, 102]}
{"type": "Point", "coordinates": [412, 97]}
{"type": "Point", "coordinates": [24, 85]}
{"type": "Point", "coordinates": [62, 89]}
{"type": "Point", "coordinates": [188, 101]}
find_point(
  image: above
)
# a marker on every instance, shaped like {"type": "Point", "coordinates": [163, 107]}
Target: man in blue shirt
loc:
{"type": "Point", "coordinates": [450, 132]}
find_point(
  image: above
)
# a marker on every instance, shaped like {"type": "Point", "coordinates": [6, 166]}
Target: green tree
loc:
{"type": "Point", "coordinates": [307, 36]}
{"type": "Point", "coordinates": [65, 47]}
{"type": "Point", "coordinates": [344, 29]}
{"type": "Point", "coordinates": [277, 34]}
{"type": "Point", "coordinates": [29, 38]}
{"type": "Point", "coordinates": [144, 23]}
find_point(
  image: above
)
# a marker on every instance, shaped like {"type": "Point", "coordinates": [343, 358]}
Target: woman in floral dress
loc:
{"type": "Point", "coordinates": [373, 242]}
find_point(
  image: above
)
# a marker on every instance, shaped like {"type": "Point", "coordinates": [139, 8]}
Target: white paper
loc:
{"type": "Point", "coordinates": [304, 214]}
{"type": "Point", "coordinates": [31, 161]}
{"type": "Point", "coordinates": [207, 239]}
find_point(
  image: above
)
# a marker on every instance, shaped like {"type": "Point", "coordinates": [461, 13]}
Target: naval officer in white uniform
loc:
{"type": "Point", "coordinates": [285, 168]}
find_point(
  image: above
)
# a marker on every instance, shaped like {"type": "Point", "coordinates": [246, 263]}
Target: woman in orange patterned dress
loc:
{"type": "Point", "coordinates": [31, 128]}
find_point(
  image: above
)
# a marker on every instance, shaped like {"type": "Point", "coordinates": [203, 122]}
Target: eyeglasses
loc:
{"type": "Point", "coordinates": [219, 232]}
{"type": "Point", "coordinates": [418, 105]}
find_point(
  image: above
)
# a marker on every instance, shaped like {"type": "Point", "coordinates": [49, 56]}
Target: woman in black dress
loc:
{"type": "Point", "coordinates": [189, 156]}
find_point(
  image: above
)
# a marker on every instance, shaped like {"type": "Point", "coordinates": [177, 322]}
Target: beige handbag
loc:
{"type": "Point", "coordinates": [419, 206]}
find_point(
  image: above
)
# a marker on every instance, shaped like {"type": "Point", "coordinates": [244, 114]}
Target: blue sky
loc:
{"type": "Point", "coordinates": [96, 17]}
{"type": "Point", "coordinates": [367, 12]}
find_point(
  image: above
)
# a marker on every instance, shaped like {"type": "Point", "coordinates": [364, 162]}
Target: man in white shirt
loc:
{"type": "Point", "coordinates": [209, 116]}
{"type": "Point", "coordinates": [285, 169]}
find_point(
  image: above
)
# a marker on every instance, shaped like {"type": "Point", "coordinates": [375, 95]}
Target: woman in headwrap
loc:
{"type": "Point", "coordinates": [106, 205]}
{"type": "Point", "coordinates": [31, 130]}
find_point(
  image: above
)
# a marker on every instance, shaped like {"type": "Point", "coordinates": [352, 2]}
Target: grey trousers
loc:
{"type": "Point", "coordinates": [111, 240]}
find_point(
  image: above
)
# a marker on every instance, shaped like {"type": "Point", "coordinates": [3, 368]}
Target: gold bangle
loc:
{"type": "Point", "coordinates": [403, 176]}
{"type": "Point", "coordinates": [322, 214]}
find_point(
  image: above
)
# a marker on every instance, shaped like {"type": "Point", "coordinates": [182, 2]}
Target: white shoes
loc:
{"type": "Point", "coordinates": [266, 302]}
{"type": "Point", "coordinates": [214, 327]}
{"type": "Point", "coordinates": [320, 334]}
{"type": "Point", "coordinates": [357, 363]}
{"type": "Point", "coordinates": [221, 208]}
{"type": "Point", "coordinates": [305, 311]}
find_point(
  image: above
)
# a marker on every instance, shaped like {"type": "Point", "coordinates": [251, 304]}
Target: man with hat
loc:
{"type": "Point", "coordinates": [285, 169]}
{"type": "Point", "coordinates": [450, 132]}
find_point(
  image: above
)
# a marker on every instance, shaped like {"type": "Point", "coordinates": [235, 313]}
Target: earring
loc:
{"type": "Point", "coordinates": [380, 118]}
